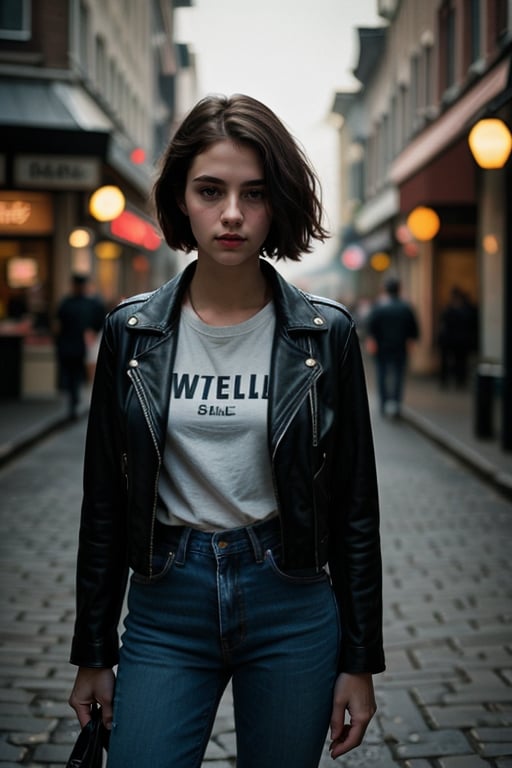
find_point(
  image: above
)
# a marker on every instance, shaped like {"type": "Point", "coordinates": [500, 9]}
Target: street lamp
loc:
{"type": "Point", "coordinates": [490, 142]}
{"type": "Point", "coordinates": [423, 223]}
{"type": "Point", "coordinates": [106, 203]}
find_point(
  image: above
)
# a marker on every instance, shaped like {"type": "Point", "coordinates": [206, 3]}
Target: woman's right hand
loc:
{"type": "Point", "coordinates": [93, 686]}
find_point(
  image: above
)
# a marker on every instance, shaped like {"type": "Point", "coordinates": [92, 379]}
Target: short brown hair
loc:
{"type": "Point", "coordinates": [292, 185]}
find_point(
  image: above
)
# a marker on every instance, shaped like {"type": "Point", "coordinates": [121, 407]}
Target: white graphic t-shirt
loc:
{"type": "Point", "coordinates": [216, 471]}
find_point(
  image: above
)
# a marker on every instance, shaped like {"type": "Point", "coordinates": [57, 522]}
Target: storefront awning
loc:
{"type": "Point", "coordinates": [448, 180]}
{"type": "Point", "coordinates": [48, 104]}
{"type": "Point", "coordinates": [66, 119]}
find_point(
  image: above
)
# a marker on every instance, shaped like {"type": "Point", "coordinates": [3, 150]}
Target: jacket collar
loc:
{"type": "Point", "coordinates": [294, 309]}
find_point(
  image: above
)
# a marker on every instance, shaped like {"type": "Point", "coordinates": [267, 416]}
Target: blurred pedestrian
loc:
{"type": "Point", "coordinates": [230, 464]}
{"type": "Point", "coordinates": [456, 339]}
{"type": "Point", "coordinates": [78, 316]}
{"type": "Point", "coordinates": [391, 326]}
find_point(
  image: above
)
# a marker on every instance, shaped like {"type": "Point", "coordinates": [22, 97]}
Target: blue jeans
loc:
{"type": "Point", "coordinates": [390, 380]}
{"type": "Point", "coordinates": [223, 610]}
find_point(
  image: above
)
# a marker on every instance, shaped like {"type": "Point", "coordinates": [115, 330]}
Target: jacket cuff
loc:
{"type": "Point", "coordinates": [99, 655]}
{"type": "Point", "coordinates": [357, 660]}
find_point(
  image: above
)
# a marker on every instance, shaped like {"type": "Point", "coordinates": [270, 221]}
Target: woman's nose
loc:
{"type": "Point", "coordinates": [232, 212]}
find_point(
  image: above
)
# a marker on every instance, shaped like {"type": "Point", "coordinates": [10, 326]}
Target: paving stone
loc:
{"type": "Point", "coordinates": [51, 753]}
{"type": "Point", "coordinates": [11, 752]}
{"type": "Point", "coordinates": [15, 695]}
{"type": "Point", "coordinates": [47, 708]}
{"type": "Point", "coordinates": [27, 724]}
{"type": "Point", "coordinates": [398, 715]}
{"type": "Point", "coordinates": [492, 734]}
{"type": "Point", "coordinates": [365, 756]}
{"type": "Point", "coordinates": [228, 743]}
{"type": "Point", "coordinates": [496, 750]}
{"type": "Point", "coordinates": [434, 744]}
{"type": "Point", "coordinates": [474, 695]}
{"type": "Point", "coordinates": [214, 751]}
{"type": "Point", "coordinates": [467, 761]}
{"type": "Point", "coordinates": [466, 717]}
{"type": "Point", "coordinates": [418, 764]}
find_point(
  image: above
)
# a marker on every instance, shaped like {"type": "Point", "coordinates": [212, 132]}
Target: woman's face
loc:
{"type": "Point", "coordinates": [225, 200]}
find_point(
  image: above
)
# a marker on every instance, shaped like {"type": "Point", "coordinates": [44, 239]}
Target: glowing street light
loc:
{"type": "Point", "coordinates": [490, 142]}
{"type": "Point", "coordinates": [106, 203]}
{"type": "Point", "coordinates": [423, 223]}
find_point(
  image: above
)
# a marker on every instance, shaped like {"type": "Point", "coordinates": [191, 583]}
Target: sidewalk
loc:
{"type": "Point", "coordinates": [444, 416]}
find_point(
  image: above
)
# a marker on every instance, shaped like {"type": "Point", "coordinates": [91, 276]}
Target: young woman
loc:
{"type": "Point", "coordinates": [229, 465]}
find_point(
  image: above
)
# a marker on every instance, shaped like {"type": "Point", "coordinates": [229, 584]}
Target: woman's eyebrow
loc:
{"type": "Point", "coordinates": [215, 180]}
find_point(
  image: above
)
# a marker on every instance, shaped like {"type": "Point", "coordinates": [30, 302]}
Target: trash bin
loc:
{"type": "Point", "coordinates": [487, 381]}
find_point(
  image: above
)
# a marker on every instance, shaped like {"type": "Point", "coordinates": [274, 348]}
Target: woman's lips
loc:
{"type": "Point", "coordinates": [230, 241]}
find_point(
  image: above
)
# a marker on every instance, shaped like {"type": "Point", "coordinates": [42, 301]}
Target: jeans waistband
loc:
{"type": "Point", "coordinates": [256, 538]}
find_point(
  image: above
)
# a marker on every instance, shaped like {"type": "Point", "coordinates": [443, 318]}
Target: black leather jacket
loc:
{"type": "Point", "coordinates": [320, 445]}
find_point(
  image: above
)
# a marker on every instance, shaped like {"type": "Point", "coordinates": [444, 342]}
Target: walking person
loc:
{"type": "Point", "coordinates": [391, 326]}
{"type": "Point", "coordinates": [456, 339]}
{"type": "Point", "coordinates": [78, 315]}
{"type": "Point", "coordinates": [229, 464]}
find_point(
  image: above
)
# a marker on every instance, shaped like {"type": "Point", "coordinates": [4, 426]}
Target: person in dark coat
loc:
{"type": "Point", "coordinates": [391, 325]}
{"type": "Point", "coordinates": [77, 314]}
{"type": "Point", "coordinates": [456, 339]}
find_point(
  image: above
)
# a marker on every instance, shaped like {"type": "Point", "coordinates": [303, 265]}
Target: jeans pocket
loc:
{"type": "Point", "coordinates": [296, 575]}
{"type": "Point", "coordinates": [161, 564]}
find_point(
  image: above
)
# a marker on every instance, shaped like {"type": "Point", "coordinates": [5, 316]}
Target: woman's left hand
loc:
{"type": "Point", "coordinates": [354, 695]}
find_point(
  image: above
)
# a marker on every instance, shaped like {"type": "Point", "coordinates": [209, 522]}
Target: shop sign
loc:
{"type": "Point", "coordinates": [56, 172]}
{"type": "Point", "coordinates": [25, 213]}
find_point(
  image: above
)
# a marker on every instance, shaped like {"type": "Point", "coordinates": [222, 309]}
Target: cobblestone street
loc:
{"type": "Point", "coordinates": [445, 700]}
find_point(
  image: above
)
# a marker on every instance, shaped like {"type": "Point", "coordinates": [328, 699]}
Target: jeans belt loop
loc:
{"type": "Point", "coordinates": [181, 550]}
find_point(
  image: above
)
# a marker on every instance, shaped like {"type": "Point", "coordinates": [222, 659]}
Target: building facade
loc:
{"type": "Point", "coordinates": [428, 75]}
{"type": "Point", "coordinates": [90, 93]}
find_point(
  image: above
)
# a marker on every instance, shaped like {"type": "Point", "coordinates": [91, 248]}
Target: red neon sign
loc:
{"type": "Point", "coordinates": [130, 227]}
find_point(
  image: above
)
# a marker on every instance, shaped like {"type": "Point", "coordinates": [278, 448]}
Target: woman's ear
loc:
{"type": "Point", "coordinates": [182, 206]}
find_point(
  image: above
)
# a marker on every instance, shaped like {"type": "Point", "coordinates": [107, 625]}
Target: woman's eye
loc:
{"type": "Point", "coordinates": [255, 194]}
{"type": "Point", "coordinates": [209, 192]}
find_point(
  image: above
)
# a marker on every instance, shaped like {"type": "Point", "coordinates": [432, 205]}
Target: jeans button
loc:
{"type": "Point", "coordinates": [223, 544]}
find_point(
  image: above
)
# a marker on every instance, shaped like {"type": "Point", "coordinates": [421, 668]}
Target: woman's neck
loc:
{"type": "Point", "coordinates": [227, 296]}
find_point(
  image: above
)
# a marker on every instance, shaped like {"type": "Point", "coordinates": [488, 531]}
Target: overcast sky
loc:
{"type": "Point", "coordinates": [291, 54]}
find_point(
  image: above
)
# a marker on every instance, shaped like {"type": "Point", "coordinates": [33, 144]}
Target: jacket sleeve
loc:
{"type": "Point", "coordinates": [101, 564]}
{"type": "Point", "coordinates": [355, 556]}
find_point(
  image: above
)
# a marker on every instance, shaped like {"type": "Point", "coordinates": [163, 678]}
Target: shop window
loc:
{"type": "Point", "coordinates": [15, 20]}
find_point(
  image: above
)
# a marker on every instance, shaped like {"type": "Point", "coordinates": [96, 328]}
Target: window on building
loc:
{"type": "Point", "coordinates": [447, 48]}
{"type": "Point", "coordinates": [472, 32]}
{"type": "Point", "coordinates": [15, 20]}
{"type": "Point", "coordinates": [393, 142]}
{"type": "Point", "coordinates": [100, 74]}
{"type": "Point", "coordinates": [84, 37]}
{"type": "Point", "coordinates": [502, 17]}
{"type": "Point", "coordinates": [476, 30]}
{"type": "Point", "coordinates": [427, 77]}
{"type": "Point", "coordinates": [415, 92]}
{"type": "Point", "coordinates": [404, 117]}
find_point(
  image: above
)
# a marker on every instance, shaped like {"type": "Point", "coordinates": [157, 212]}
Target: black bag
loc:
{"type": "Point", "coordinates": [92, 740]}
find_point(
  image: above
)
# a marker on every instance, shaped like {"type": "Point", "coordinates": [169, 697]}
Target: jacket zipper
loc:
{"type": "Point", "coordinates": [313, 400]}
